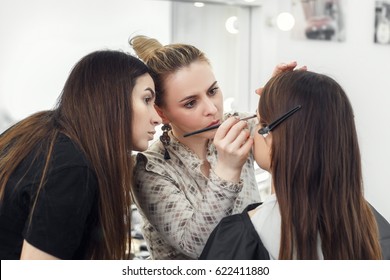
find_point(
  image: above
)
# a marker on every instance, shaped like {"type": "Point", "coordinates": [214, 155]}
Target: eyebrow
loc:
{"type": "Point", "coordinates": [193, 95]}
{"type": "Point", "coordinates": [151, 91]}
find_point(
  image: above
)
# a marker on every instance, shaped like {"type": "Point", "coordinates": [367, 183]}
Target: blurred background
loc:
{"type": "Point", "coordinates": [40, 41]}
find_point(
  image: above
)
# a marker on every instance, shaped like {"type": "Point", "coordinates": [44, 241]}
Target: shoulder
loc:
{"type": "Point", "coordinates": [150, 160]}
{"type": "Point", "coordinates": [241, 219]}
{"type": "Point", "coordinates": [68, 154]}
{"type": "Point", "coordinates": [235, 238]}
{"type": "Point", "coordinates": [70, 170]}
{"type": "Point", "coordinates": [66, 160]}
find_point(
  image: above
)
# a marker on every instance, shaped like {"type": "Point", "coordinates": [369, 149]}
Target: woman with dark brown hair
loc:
{"type": "Point", "coordinates": [65, 174]}
{"type": "Point", "coordinates": [307, 140]}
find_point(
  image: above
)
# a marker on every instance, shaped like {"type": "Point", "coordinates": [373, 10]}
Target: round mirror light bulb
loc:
{"type": "Point", "coordinates": [285, 21]}
{"type": "Point", "coordinates": [231, 25]}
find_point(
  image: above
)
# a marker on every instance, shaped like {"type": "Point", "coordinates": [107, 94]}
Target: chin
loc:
{"type": "Point", "coordinates": [210, 135]}
{"type": "Point", "coordinates": [140, 148]}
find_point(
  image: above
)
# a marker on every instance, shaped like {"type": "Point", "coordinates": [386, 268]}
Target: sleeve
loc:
{"type": "Point", "coordinates": [60, 213]}
{"type": "Point", "coordinates": [184, 225]}
{"type": "Point", "coordinates": [234, 239]}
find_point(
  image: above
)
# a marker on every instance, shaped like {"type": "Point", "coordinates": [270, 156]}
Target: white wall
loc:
{"type": "Point", "coordinates": [358, 64]}
{"type": "Point", "coordinates": [41, 40]}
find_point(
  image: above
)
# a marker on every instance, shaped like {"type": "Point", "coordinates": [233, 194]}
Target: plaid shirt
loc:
{"type": "Point", "coordinates": [181, 206]}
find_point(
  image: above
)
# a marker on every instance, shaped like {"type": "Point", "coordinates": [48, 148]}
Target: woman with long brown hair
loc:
{"type": "Point", "coordinates": [66, 174]}
{"type": "Point", "coordinates": [308, 141]}
{"type": "Point", "coordinates": [315, 163]}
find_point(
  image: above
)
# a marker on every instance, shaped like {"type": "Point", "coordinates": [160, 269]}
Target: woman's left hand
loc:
{"type": "Point", "coordinates": [281, 68]}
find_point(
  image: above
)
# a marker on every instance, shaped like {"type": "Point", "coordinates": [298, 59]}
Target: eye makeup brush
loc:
{"type": "Point", "coordinates": [214, 127]}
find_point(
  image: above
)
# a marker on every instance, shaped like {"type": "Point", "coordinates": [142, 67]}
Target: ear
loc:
{"type": "Point", "coordinates": [161, 114]}
{"type": "Point", "coordinates": [268, 140]}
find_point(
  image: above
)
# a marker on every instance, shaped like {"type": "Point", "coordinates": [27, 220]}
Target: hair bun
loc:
{"type": "Point", "coordinates": [145, 47]}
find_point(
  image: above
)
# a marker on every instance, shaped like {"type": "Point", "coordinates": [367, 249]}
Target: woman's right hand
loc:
{"type": "Point", "coordinates": [233, 143]}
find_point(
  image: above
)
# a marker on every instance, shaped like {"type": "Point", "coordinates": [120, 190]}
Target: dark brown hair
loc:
{"type": "Point", "coordinates": [316, 170]}
{"type": "Point", "coordinates": [95, 111]}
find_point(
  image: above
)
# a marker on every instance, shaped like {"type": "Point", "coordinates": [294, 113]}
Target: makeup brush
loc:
{"type": "Point", "coordinates": [214, 127]}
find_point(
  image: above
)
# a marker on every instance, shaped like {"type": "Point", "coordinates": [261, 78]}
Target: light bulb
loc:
{"type": "Point", "coordinates": [199, 4]}
{"type": "Point", "coordinates": [231, 25]}
{"type": "Point", "coordinates": [285, 21]}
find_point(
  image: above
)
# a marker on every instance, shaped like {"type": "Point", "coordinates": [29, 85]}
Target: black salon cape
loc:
{"type": "Point", "coordinates": [235, 238]}
{"type": "Point", "coordinates": [384, 233]}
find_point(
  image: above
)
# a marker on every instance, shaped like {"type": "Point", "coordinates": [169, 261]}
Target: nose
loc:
{"type": "Point", "coordinates": [210, 108]}
{"type": "Point", "coordinates": [259, 91]}
{"type": "Point", "coordinates": [156, 119]}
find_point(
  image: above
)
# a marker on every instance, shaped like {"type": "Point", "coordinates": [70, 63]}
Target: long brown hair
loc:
{"type": "Point", "coordinates": [316, 170]}
{"type": "Point", "coordinates": [164, 60]}
{"type": "Point", "coordinates": [95, 111]}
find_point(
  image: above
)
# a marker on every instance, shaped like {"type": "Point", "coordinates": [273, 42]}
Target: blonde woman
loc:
{"type": "Point", "coordinates": [185, 185]}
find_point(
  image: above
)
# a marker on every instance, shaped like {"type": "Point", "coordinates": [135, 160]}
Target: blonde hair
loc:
{"type": "Point", "coordinates": [164, 60]}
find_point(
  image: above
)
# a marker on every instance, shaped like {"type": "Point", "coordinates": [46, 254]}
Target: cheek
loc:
{"type": "Point", "coordinates": [257, 146]}
{"type": "Point", "coordinates": [139, 119]}
{"type": "Point", "coordinates": [139, 136]}
{"type": "Point", "coordinates": [185, 119]}
{"type": "Point", "coordinates": [261, 152]}
{"type": "Point", "coordinates": [219, 101]}
{"type": "Point", "coordinates": [189, 122]}
{"type": "Point", "coordinates": [135, 131]}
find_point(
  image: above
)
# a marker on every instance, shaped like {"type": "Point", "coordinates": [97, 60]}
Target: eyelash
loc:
{"type": "Point", "coordinates": [190, 104]}
{"type": "Point", "coordinates": [213, 91]}
{"type": "Point", "coordinates": [148, 99]}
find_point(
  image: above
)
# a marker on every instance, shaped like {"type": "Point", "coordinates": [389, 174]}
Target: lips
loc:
{"type": "Point", "coordinates": [213, 123]}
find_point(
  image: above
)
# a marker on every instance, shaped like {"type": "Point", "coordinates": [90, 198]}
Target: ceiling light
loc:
{"type": "Point", "coordinates": [199, 4]}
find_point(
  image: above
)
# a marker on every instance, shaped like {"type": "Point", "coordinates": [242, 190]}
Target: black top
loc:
{"type": "Point", "coordinates": [65, 214]}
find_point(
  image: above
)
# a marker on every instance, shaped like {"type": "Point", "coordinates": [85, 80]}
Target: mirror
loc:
{"type": "Point", "coordinates": [222, 31]}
